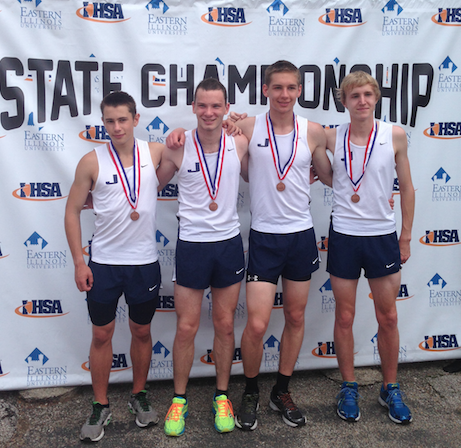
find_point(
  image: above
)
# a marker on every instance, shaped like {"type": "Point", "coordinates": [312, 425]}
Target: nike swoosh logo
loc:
{"type": "Point", "coordinates": [240, 270]}
{"type": "Point", "coordinates": [382, 143]}
{"type": "Point", "coordinates": [143, 166]}
{"type": "Point", "coordinates": [230, 149]}
{"type": "Point", "coordinates": [152, 288]}
{"type": "Point", "coordinates": [389, 265]}
{"type": "Point", "coordinates": [315, 261]}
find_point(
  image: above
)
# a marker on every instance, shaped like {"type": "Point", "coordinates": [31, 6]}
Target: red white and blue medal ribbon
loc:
{"type": "Point", "coordinates": [348, 158]}
{"type": "Point", "coordinates": [282, 172]}
{"type": "Point", "coordinates": [211, 181]}
{"type": "Point", "coordinates": [131, 192]}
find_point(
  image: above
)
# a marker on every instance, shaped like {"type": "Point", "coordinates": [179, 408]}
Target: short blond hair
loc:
{"type": "Point", "coordinates": [357, 79]}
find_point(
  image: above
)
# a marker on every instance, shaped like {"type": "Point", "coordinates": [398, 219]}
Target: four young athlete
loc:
{"type": "Point", "coordinates": [274, 154]}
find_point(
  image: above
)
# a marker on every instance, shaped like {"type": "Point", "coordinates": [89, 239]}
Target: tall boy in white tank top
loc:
{"type": "Point", "coordinates": [282, 241]}
{"type": "Point", "coordinates": [362, 234]}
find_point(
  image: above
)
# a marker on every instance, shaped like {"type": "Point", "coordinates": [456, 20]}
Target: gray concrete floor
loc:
{"type": "Point", "coordinates": [433, 395]}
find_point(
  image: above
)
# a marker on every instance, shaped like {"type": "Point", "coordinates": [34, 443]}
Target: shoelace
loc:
{"type": "Point", "coordinates": [175, 412]}
{"type": "Point", "coordinates": [394, 396]}
{"type": "Point", "coordinates": [224, 406]}
{"type": "Point", "coordinates": [97, 409]}
{"type": "Point", "coordinates": [249, 403]}
{"type": "Point", "coordinates": [142, 400]}
{"type": "Point", "coordinates": [349, 394]}
{"type": "Point", "coordinates": [288, 402]}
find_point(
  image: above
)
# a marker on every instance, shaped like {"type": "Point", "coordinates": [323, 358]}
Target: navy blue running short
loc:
{"type": "Point", "coordinates": [378, 255]}
{"type": "Point", "coordinates": [139, 283]}
{"type": "Point", "coordinates": [218, 264]}
{"type": "Point", "coordinates": [293, 256]}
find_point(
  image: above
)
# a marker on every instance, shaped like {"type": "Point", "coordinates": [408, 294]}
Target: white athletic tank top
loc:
{"type": "Point", "coordinates": [372, 215]}
{"type": "Point", "coordinates": [273, 211]}
{"type": "Point", "coordinates": [197, 223]}
{"type": "Point", "coordinates": [118, 239]}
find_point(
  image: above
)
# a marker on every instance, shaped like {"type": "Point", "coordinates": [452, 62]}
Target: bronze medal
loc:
{"type": "Point", "coordinates": [355, 198]}
{"type": "Point", "coordinates": [282, 171]}
{"type": "Point", "coordinates": [134, 216]}
{"type": "Point", "coordinates": [213, 206]}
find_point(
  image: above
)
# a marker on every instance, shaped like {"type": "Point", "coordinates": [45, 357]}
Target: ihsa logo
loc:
{"type": "Point", "coordinates": [102, 12]}
{"type": "Point", "coordinates": [342, 17]}
{"type": "Point", "coordinates": [221, 16]}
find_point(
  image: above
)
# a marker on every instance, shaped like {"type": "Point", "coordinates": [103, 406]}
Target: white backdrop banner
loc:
{"type": "Point", "coordinates": [59, 58]}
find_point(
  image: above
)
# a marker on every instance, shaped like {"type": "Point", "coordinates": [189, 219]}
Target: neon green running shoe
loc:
{"type": "Point", "coordinates": [224, 415]}
{"type": "Point", "coordinates": [175, 422]}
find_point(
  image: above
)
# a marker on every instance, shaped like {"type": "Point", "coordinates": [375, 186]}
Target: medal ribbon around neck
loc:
{"type": "Point", "coordinates": [282, 172]}
{"type": "Point", "coordinates": [348, 155]}
{"type": "Point", "coordinates": [131, 195]}
{"type": "Point", "coordinates": [212, 183]}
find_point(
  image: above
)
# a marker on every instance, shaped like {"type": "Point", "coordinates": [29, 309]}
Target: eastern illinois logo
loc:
{"type": "Point", "coordinates": [102, 12]}
{"type": "Point", "coordinates": [158, 22]}
{"type": "Point", "coordinates": [448, 80]}
{"type": "Point", "coordinates": [325, 350]}
{"type": "Point", "coordinates": [396, 25]}
{"type": "Point", "coordinates": [442, 190]}
{"type": "Point", "coordinates": [40, 308]}
{"type": "Point", "coordinates": [38, 258]}
{"type": "Point", "coordinates": [328, 299]}
{"type": "Point", "coordinates": [342, 17]}
{"type": "Point", "coordinates": [166, 256]}
{"type": "Point", "coordinates": [161, 364]}
{"type": "Point", "coordinates": [157, 130]}
{"type": "Point", "coordinates": [39, 191]}
{"type": "Point", "coordinates": [209, 357]}
{"type": "Point", "coordinates": [38, 19]}
{"type": "Point", "coordinates": [377, 358]}
{"type": "Point", "coordinates": [271, 353]}
{"type": "Point", "coordinates": [447, 130]}
{"type": "Point", "coordinates": [40, 372]}
{"type": "Point", "coordinates": [283, 25]}
{"type": "Point", "coordinates": [440, 238]}
{"type": "Point", "coordinates": [36, 138]}
{"type": "Point", "coordinates": [441, 297]}
{"type": "Point", "coordinates": [447, 17]}
{"type": "Point", "coordinates": [439, 343]}
{"type": "Point", "coordinates": [95, 134]}
{"type": "Point", "coordinates": [225, 16]}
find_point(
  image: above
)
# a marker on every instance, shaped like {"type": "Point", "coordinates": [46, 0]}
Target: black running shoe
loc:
{"type": "Point", "coordinates": [246, 417]}
{"type": "Point", "coordinates": [283, 403]}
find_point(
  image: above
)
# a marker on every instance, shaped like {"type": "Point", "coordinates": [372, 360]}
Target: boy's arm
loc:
{"type": "Point", "coordinates": [407, 191]}
{"type": "Point", "coordinates": [84, 177]}
{"type": "Point", "coordinates": [242, 150]}
{"type": "Point", "coordinates": [320, 160]}
{"type": "Point", "coordinates": [169, 164]}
